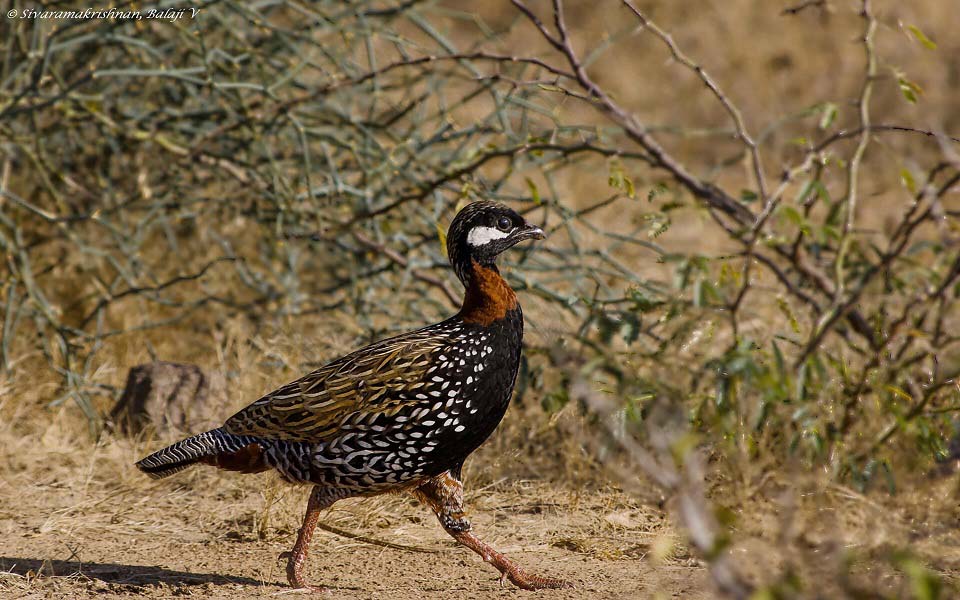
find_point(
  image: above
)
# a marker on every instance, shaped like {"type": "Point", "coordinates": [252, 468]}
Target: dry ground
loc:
{"type": "Point", "coordinates": [214, 553]}
{"type": "Point", "coordinates": [78, 520]}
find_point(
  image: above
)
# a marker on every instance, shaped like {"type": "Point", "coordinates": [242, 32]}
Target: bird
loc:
{"type": "Point", "coordinates": [399, 415]}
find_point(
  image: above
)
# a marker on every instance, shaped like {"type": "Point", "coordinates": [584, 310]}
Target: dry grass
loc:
{"type": "Point", "coordinates": [69, 505]}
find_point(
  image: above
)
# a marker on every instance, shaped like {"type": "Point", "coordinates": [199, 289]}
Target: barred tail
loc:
{"type": "Point", "coordinates": [215, 447]}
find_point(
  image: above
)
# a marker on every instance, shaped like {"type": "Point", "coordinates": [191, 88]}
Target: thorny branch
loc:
{"type": "Point", "coordinates": [822, 286]}
{"type": "Point", "coordinates": [853, 171]}
{"type": "Point", "coordinates": [809, 273]}
{"type": "Point", "coordinates": [679, 470]}
{"type": "Point", "coordinates": [396, 258]}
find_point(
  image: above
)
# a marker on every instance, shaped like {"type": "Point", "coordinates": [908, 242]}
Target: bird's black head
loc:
{"type": "Point", "coordinates": [482, 230]}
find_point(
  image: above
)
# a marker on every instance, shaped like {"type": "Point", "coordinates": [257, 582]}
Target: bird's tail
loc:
{"type": "Point", "coordinates": [215, 447]}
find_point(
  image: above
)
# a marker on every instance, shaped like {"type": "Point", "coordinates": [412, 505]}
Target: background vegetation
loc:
{"type": "Point", "coordinates": [747, 292]}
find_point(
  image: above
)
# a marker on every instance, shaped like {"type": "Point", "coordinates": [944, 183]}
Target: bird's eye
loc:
{"type": "Point", "coordinates": [504, 224]}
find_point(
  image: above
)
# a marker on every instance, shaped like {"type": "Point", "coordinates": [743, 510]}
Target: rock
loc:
{"type": "Point", "coordinates": [166, 397]}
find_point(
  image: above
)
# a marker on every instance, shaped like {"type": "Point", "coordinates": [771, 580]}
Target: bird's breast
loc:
{"type": "Point", "coordinates": [486, 362]}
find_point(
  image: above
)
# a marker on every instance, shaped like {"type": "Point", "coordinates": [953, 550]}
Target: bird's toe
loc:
{"type": "Point", "coordinates": [535, 582]}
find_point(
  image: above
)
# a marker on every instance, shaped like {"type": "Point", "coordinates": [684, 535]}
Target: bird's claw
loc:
{"type": "Point", "coordinates": [525, 581]}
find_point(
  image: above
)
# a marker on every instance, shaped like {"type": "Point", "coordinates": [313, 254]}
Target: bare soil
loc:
{"type": "Point", "coordinates": [77, 520]}
{"type": "Point", "coordinates": [99, 529]}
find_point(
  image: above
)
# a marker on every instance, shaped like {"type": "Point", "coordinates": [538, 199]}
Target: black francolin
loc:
{"type": "Point", "coordinates": [399, 415]}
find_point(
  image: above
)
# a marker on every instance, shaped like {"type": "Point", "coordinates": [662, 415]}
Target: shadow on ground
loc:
{"type": "Point", "coordinates": [117, 573]}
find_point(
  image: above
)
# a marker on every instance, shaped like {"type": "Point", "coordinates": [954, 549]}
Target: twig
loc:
{"type": "Point", "coordinates": [133, 291]}
{"type": "Point", "coordinates": [896, 249]}
{"type": "Point", "coordinates": [798, 8]}
{"type": "Point", "coordinates": [735, 115]}
{"type": "Point", "coordinates": [419, 274]}
{"type": "Point", "coordinates": [678, 470]}
{"type": "Point", "coordinates": [853, 171]}
{"type": "Point", "coordinates": [710, 194]}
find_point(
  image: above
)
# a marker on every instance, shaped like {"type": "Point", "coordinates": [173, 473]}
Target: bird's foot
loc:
{"type": "Point", "coordinates": [298, 584]}
{"type": "Point", "coordinates": [295, 576]}
{"type": "Point", "coordinates": [526, 581]}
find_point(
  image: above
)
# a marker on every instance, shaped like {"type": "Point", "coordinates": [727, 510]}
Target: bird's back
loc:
{"type": "Point", "coordinates": [393, 412]}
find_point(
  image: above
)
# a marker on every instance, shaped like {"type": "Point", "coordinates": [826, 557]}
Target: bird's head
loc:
{"type": "Point", "coordinates": [484, 229]}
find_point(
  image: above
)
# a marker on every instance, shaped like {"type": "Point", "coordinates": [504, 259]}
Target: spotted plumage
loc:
{"type": "Point", "coordinates": [402, 413]}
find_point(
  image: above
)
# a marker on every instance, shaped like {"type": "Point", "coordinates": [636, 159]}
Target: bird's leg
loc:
{"type": "Point", "coordinates": [320, 498]}
{"type": "Point", "coordinates": [444, 495]}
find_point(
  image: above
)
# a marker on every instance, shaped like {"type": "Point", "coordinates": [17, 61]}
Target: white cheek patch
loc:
{"type": "Point", "coordinates": [479, 236]}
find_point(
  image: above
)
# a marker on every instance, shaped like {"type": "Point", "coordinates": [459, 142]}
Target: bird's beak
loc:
{"type": "Point", "coordinates": [533, 232]}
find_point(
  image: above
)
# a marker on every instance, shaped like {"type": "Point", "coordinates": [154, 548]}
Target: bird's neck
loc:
{"type": "Point", "coordinates": [488, 297]}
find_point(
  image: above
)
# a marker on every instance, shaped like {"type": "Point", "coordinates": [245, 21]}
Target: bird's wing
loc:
{"type": "Point", "coordinates": [351, 392]}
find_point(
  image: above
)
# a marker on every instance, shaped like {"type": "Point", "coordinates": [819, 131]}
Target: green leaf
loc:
{"type": "Point", "coordinates": [748, 196]}
{"type": "Point", "coordinates": [554, 401]}
{"type": "Point", "coordinates": [698, 292]}
{"type": "Point", "coordinates": [534, 192]}
{"type": "Point", "coordinates": [922, 37]}
{"type": "Point", "coordinates": [828, 115]}
{"type": "Point", "coordinates": [725, 516]}
{"type": "Point", "coordinates": [781, 363]}
{"type": "Point", "coordinates": [442, 234]}
{"type": "Point", "coordinates": [910, 90]}
{"type": "Point", "coordinates": [659, 224]}
{"type": "Point", "coordinates": [908, 181]}
{"type": "Point", "coordinates": [925, 584]}
{"type": "Point", "coordinates": [792, 215]}
{"type": "Point", "coordinates": [620, 180]}
{"type": "Point", "coordinates": [805, 191]}
{"type": "Point", "coordinates": [549, 88]}
{"type": "Point", "coordinates": [642, 302]}
{"type": "Point", "coordinates": [657, 190]}
{"type": "Point", "coordinates": [785, 309]}
{"type": "Point", "coordinates": [899, 392]}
